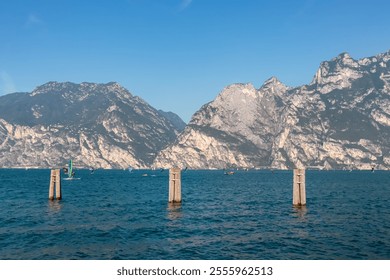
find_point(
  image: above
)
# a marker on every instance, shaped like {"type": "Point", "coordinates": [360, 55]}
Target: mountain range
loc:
{"type": "Point", "coordinates": [341, 120]}
{"type": "Point", "coordinates": [96, 125]}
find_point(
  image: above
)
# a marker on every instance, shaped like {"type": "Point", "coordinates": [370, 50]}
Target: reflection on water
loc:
{"type": "Point", "coordinates": [174, 211]}
{"type": "Point", "coordinates": [300, 212]}
{"type": "Point", "coordinates": [55, 206]}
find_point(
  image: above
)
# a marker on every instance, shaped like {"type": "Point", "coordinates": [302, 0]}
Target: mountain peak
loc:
{"type": "Point", "coordinates": [77, 89]}
{"type": "Point", "coordinates": [272, 80]}
{"type": "Point", "coordinates": [114, 86]}
{"type": "Point", "coordinates": [238, 88]}
{"type": "Point", "coordinates": [346, 60]}
{"type": "Point", "coordinates": [343, 55]}
{"type": "Point", "coordinates": [337, 73]}
{"type": "Point", "coordinates": [384, 56]}
{"type": "Point", "coordinates": [49, 86]}
{"type": "Point", "coordinates": [273, 85]}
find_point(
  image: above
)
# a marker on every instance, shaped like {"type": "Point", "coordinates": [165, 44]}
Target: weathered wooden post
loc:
{"type": "Point", "coordinates": [55, 180]}
{"type": "Point", "coordinates": [299, 187]}
{"type": "Point", "coordinates": [58, 184]}
{"type": "Point", "coordinates": [52, 182]}
{"type": "Point", "coordinates": [174, 185]}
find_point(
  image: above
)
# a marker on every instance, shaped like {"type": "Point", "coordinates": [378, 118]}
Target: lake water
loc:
{"type": "Point", "coordinates": [115, 214]}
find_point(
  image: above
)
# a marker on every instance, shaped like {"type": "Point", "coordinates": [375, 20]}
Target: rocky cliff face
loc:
{"type": "Point", "coordinates": [96, 125]}
{"type": "Point", "coordinates": [233, 130]}
{"type": "Point", "coordinates": [340, 120]}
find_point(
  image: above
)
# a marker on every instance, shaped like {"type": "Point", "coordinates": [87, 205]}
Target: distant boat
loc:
{"type": "Point", "coordinates": [130, 169]}
{"type": "Point", "coordinates": [229, 173]}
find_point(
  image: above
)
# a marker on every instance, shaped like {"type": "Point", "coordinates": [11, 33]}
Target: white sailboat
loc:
{"type": "Point", "coordinates": [70, 171]}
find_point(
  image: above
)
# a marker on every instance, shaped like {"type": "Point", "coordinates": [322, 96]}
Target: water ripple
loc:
{"type": "Point", "coordinates": [120, 215]}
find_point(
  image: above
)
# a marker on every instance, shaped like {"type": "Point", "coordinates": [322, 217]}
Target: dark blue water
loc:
{"type": "Point", "coordinates": [249, 215]}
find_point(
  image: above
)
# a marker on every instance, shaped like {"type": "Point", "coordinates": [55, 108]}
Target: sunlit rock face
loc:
{"type": "Point", "coordinates": [340, 120]}
{"type": "Point", "coordinates": [96, 125]}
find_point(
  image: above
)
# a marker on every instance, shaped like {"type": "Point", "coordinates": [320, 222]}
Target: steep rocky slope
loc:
{"type": "Point", "coordinates": [340, 120]}
{"type": "Point", "coordinates": [97, 125]}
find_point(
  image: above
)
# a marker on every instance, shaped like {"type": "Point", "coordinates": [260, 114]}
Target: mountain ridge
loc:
{"type": "Point", "coordinates": [340, 120]}
{"type": "Point", "coordinates": [98, 125]}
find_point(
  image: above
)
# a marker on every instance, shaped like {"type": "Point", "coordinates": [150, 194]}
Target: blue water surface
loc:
{"type": "Point", "coordinates": [117, 214]}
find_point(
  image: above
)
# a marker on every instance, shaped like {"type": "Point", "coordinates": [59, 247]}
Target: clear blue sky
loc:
{"type": "Point", "coordinates": [179, 54]}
